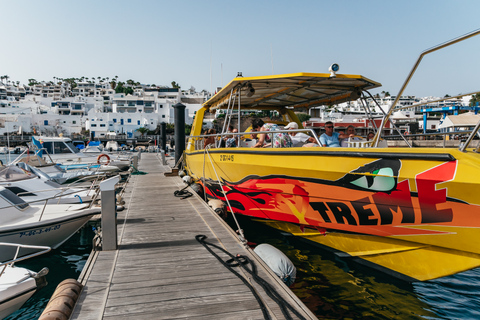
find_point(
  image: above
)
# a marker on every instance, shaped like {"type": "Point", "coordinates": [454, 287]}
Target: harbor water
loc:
{"type": "Point", "coordinates": [335, 288]}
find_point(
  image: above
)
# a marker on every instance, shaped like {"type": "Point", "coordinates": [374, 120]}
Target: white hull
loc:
{"type": "Point", "coordinates": [51, 232]}
{"type": "Point", "coordinates": [14, 294]}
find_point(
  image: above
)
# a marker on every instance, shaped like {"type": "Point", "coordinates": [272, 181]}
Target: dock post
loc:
{"type": "Point", "coordinates": [179, 130]}
{"type": "Point", "coordinates": [109, 213]}
{"type": "Point", "coordinates": [163, 130]}
{"type": "Point", "coordinates": [162, 155]}
{"type": "Point", "coordinates": [135, 162]}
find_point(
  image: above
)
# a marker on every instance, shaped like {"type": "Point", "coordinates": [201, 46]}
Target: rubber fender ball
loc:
{"type": "Point", "coordinates": [278, 262]}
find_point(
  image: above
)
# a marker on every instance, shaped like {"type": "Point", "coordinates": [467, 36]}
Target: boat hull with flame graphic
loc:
{"type": "Point", "coordinates": [415, 215]}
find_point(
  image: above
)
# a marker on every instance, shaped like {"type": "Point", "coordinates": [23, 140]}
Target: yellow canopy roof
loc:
{"type": "Point", "coordinates": [295, 90]}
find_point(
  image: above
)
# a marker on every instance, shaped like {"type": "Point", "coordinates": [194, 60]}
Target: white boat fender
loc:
{"type": "Point", "coordinates": [218, 206]}
{"type": "Point", "coordinates": [278, 262]}
{"type": "Point", "coordinates": [181, 174]}
{"type": "Point", "coordinates": [187, 179]}
{"type": "Point", "coordinates": [63, 300]}
{"type": "Point", "coordinates": [197, 187]}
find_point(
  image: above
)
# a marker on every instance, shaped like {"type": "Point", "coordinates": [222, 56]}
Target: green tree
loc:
{"type": "Point", "coordinates": [475, 100]}
{"type": "Point", "coordinates": [175, 85]}
{"type": "Point", "coordinates": [142, 130]}
{"type": "Point", "coordinates": [128, 90]}
{"type": "Point", "coordinates": [32, 82]}
{"type": "Point", "coordinates": [119, 87]}
{"type": "Point", "coordinates": [303, 116]}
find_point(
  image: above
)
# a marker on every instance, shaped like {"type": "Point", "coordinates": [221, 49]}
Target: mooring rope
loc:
{"type": "Point", "coordinates": [243, 261]}
{"type": "Point", "coordinates": [240, 231]}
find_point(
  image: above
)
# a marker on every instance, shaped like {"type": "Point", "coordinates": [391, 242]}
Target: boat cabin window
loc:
{"type": "Point", "coordinates": [48, 146]}
{"type": "Point", "coordinates": [13, 199]}
{"type": "Point", "coordinates": [11, 173]}
{"type": "Point", "coordinates": [59, 147]}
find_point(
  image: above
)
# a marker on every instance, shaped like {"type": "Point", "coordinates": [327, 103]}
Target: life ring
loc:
{"type": "Point", "coordinates": [101, 161]}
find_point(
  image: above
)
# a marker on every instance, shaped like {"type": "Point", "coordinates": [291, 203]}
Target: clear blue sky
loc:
{"type": "Point", "coordinates": [205, 43]}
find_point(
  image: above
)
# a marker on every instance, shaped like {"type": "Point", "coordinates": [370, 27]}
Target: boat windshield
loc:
{"type": "Point", "coordinates": [12, 198]}
{"type": "Point", "coordinates": [12, 173]}
{"type": "Point", "coordinates": [59, 147]}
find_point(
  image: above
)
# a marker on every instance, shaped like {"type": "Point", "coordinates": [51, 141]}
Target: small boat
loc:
{"type": "Point", "coordinates": [46, 225]}
{"type": "Point", "coordinates": [411, 212]}
{"type": "Point", "coordinates": [55, 173]}
{"type": "Point", "coordinates": [34, 189]}
{"type": "Point", "coordinates": [61, 150]}
{"type": "Point", "coordinates": [18, 284]}
{"type": "Point", "coordinates": [112, 146]}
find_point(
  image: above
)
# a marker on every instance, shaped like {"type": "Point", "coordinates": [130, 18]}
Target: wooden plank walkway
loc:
{"type": "Point", "coordinates": [160, 271]}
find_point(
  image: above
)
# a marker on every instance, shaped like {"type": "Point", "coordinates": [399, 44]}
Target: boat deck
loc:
{"type": "Point", "coordinates": [160, 271]}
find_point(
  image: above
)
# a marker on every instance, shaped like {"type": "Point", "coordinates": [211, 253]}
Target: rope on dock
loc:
{"type": "Point", "coordinates": [182, 193]}
{"type": "Point", "coordinates": [243, 261]}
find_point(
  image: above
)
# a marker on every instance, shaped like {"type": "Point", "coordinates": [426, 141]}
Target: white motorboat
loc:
{"type": "Point", "coordinates": [112, 146]}
{"type": "Point", "coordinates": [47, 225]}
{"type": "Point", "coordinates": [34, 189]}
{"type": "Point", "coordinates": [61, 150]}
{"type": "Point", "coordinates": [54, 172]}
{"type": "Point", "coordinates": [18, 284]}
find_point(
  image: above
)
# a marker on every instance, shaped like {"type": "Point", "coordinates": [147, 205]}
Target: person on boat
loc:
{"type": "Point", "coordinates": [232, 141]}
{"type": "Point", "coordinates": [279, 139]}
{"type": "Point", "coordinates": [331, 138]}
{"type": "Point", "coordinates": [209, 140]}
{"type": "Point", "coordinates": [370, 135]}
{"type": "Point", "coordinates": [298, 138]}
{"type": "Point", "coordinates": [351, 135]}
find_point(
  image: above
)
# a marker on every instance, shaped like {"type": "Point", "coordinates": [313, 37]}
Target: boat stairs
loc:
{"type": "Point", "coordinates": [161, 271]}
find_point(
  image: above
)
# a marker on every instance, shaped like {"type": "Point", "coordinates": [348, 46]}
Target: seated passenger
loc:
{"type": "Point", "coordinates": [330, 138]}
{"type": "Point", "coordinates": [279, 139]}
{"type": "Point", "coordinates": [209, 140]}
{"type": "Point", "coordinates": [232, 141]}
{"type": "Point", "coordinates": [298, 138]}
{"type": "Point", "coordinates": [370, 135]}
{"type": "Point", "coordinates": [351, 136]}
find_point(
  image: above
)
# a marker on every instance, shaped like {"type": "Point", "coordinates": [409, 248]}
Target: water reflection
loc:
{"type": "Point", "coordinates": [335, 288]}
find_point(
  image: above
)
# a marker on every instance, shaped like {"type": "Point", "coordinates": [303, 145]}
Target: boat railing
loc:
{"type": "Point", "coordinates": [62, 192]}
{"type": "Point", "coordinates": [466, 137]}
{"type": "Point", "coordinates": [376, 139]}
{"type": "Point", "coordinates": [218, 137]}
{"type": "Point", "coordinates": [42, 250]}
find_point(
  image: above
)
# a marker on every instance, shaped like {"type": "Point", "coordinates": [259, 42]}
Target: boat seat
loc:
{"type": "Point", "coordinates": [366, 143]}
{"type": "Point", "coordinates": [247, 143]}
{"type": "Point", "coordinates": [358, 143]}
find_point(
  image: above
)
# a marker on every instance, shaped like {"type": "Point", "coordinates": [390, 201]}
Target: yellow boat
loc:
{"type": "Point", "coordinates": [411, 212]}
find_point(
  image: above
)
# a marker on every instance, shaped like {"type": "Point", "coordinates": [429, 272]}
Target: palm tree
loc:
{"type": "Point", "coordinates": [142, 130]}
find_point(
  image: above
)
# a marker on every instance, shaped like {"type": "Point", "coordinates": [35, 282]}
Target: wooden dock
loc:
{"type": "Point", "coordinates": [160, 271]}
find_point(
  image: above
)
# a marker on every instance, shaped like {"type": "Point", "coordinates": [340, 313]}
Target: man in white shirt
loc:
{"type": "Point", "coordinates": [351, 134]}
{"type": "Point", "coordinates": [298, 138]}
